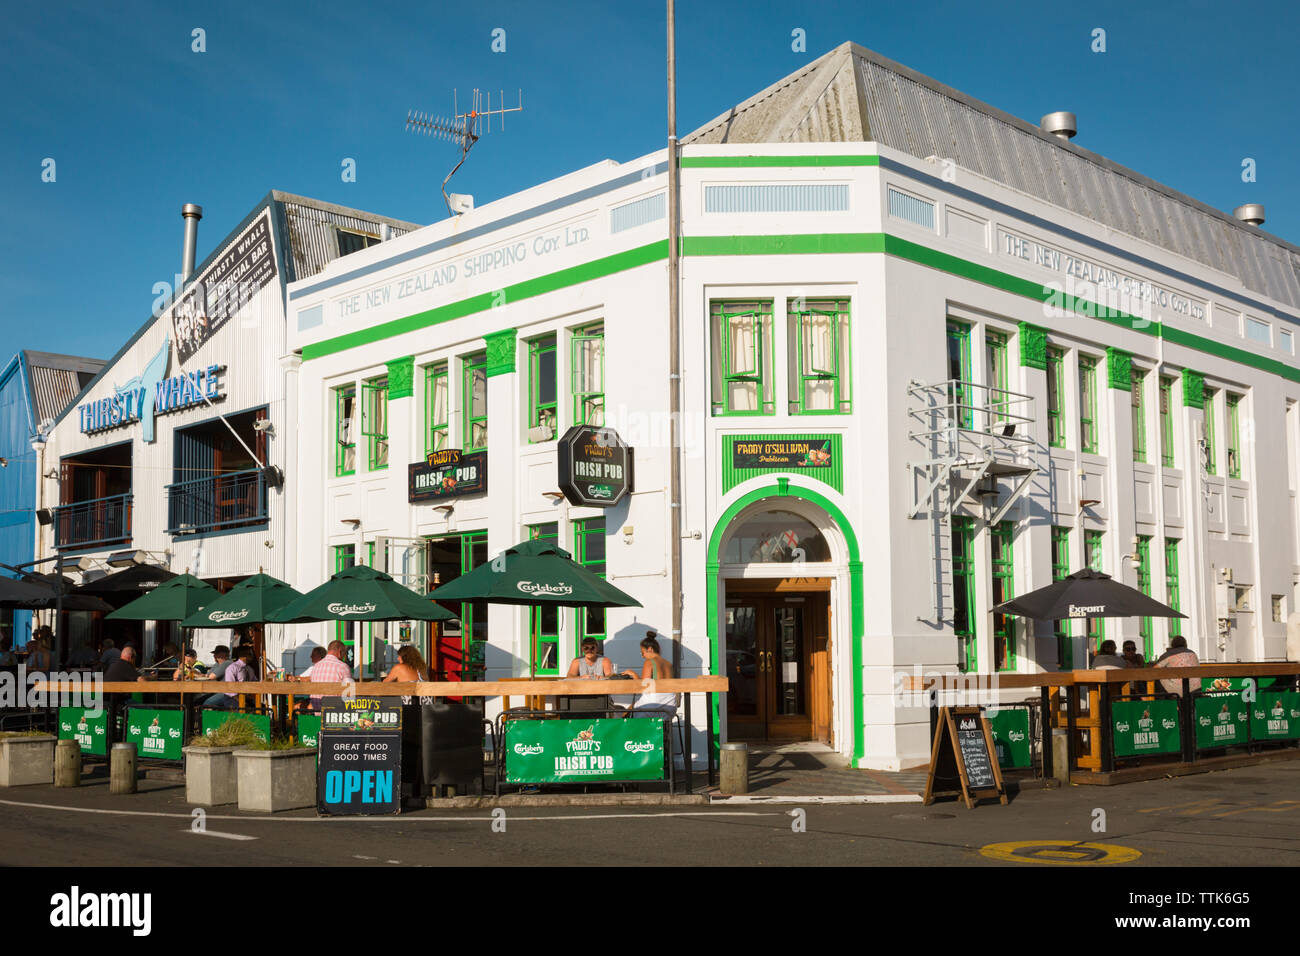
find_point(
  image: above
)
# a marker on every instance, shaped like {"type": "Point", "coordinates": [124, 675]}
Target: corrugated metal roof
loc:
{"type": "Point", "coordinates": [313, 228]}
{"type": "Point", "coordinates": [56, 380]}
{"type": "Point", "coordinates": [853, 94]}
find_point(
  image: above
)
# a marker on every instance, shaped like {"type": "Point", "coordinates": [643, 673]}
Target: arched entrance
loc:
{"type": "Point", "coordinates": [781, 575]}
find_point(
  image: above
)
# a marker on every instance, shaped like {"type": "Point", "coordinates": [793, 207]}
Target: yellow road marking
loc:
{"type": "Point", "coordinates": [1060, 852]}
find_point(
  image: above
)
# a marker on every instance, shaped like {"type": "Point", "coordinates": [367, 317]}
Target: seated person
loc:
{"type": "Point", "coordinates": [237, 671]}
{"type": "Point", "coordinates": [656, 667]}
{"type": "Point", "coordinates": [83, 657]}
{"type": "Point", "coordinates": [410, 666]}
{"type": "Point", "coordinates": [1132, 656]}
{"type": "Point", "coordinates": [590, 666]}
{"type": "Point", "coordinates": [7, 657]}
{"type": "Point", "coordinates": [1106, 659]}
{"type": "Point", "coordinates": [123, 669]}
{"type": "Point", "coordinates": [190, 668]}
{"type": "Point", "coordinates": [317, 655]}
{"type": "Point", "coordinates": [1178, 655]}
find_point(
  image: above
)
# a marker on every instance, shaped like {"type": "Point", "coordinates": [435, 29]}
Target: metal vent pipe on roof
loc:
{"type": "Point", "coordinates": [1252, 213]}
{"type": "Point", "coordinates": [191, 214]}
{"type": "Point", "coordinates": [1063, 124]}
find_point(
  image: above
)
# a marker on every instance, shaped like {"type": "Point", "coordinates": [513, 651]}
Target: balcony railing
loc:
{"type": "Point", "coordinates": [217, 503]}
{"type": "Point", "coordinates": [91, 524]}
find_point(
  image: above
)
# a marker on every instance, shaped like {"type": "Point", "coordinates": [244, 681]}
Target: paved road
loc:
{"type": "Point", "coordinates": [1246, 816]}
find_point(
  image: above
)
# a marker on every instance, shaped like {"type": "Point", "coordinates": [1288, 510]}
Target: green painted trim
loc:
{"type": "Point", "coordinates": [857, 619]}
{"type": "Point", "coordinates": [741, 162]}
{"type": "Point", "coordinates": [1119, 369]}
{"type": "Point", "coordinates": [1033, 346]}
{"type": "Point", "coordinates": [501, 352]}
{"type": "Point", "coordinates": [401, 378]}
{"type": "Point", "coordinates": [847, 243]}
{"type": "Point", "coordinates": [1193, 389]}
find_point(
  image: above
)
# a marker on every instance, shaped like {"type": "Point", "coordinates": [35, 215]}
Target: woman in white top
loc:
{"type": "Point", "coordinates": [655, 668]}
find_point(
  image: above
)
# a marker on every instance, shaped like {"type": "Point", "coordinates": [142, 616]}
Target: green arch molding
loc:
{"type": "Point", "coordinates": [783, 489]}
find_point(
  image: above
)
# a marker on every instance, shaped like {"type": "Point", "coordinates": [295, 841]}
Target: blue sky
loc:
{"type": "Point", "coordinates": [139, 124]}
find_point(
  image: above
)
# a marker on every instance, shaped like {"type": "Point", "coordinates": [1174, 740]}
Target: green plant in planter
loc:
{"type": "Point", "coordinates": [276, 743]}
{"type": "Point", "coordinates": [24, 733]}
{"type": "Point", "coordinates": [236, 732]}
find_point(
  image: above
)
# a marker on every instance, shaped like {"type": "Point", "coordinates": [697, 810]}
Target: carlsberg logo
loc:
{"type": "Point", "coordinates": [350, 608]}
{"type": "Point", "coordinates": [633, 747]}
{"type": "Point", "coordinates": [532, 587]}
{"type": "Point", "coordinates": [221, 617]}
{"type": "Point", "coordinates": [526, 749]}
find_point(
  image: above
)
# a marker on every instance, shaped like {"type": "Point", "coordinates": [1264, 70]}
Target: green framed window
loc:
{"type": "Point", "coordinates": [1144, 585]}
{"type": "Point", "coordinates": [1088, 404]}
{"type": "Point", "coordinates": [473, 402]}
{"type": "Point", "coordinates": [1167, 422]}
{"type": "Point", "coordinates": [542, 389]}
{"type": "Point", "coordinates": [963, 591]}
{"type": "Point", "coordinates": [436, 408]}
{"type": "Point", "coordinates": [374, 422]}
{"type": "Point", "coordinates": [1138, 380]}
{"type": "Point", "coordinates": [1060, 571]}
{"type": "Point", "coordinates": [1002, 568]}
{"type": "Point", "coordinates": [544, 619]}
{"type": "Point", "coordinates": [1234, 435]}
{"type": "Point", "coordinates": [1211, 466]}
{"type": "Point", "coordinates": [587, 375]}
{"type": "Point", "coordinates": [995, 358]}
{"type": "Point", "coordinates": [1056, 398]}
{"type": "Point", "coordinates": [589, 551]}
{"type": "Point", "coordinates": [959, 374]}
{"type": "Point", "coordinates": [1173, 594]}
{"type": "Point", "coordinates": [345, 556]}
{"type": "Point", "coordinates": [820, 354]}
{"type": "Point", "coordinates": [345, 442]}
{"type": "Point", "coordinates": [1092, 555]}
{"type": "Point", "coordinates": [742, 358]}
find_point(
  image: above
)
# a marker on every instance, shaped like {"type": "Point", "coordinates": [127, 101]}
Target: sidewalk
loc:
{"type": "Point", "coordinates": [802, 770]}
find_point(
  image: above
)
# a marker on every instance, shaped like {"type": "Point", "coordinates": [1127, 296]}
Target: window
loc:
{"type": "Point", "coordinates": [1234, 437]}
{"type": "Point", "coordinates": [218, 482]}
{"type": "Point", "coordinates": [1055, 398]}
{"type": "Point", "coordinates": [435, 408]}
{"type": "Point", "coordinates": [995, 355]}
{"type": "Point", "coordinates": [959, 375]}
{"type": "Point", "coordinates": [1060, 571]}
{"type": "Point", "coordinates": [1092, 556]}
{"type": "Point", "coordinates": [1002, 566]}
{"type": "Point", "coordinates": [819, 345]}
{"type": "Point", "coordinates": [1088, 404]}
{"type": "Point", "coordinates": [963, 591]}
{"type": "Point", "coordinates": [474, 423]}
{"type": "Point", "coordinates": [1285, 342]}
{"type": "Point", "coordinates": [1144, 585]}
{"type": "Point", "coordinates": [742, 358]}
{"type": "Point", "coordinates": [587, 375]}
{"type": "Point", "coordinates": [1167, 422]}
{"type": "Point", "coordinates": [345, 443]}
{"type": "Point", "coordinates": [1258, 331]}
{"type": "Point", "coordinates": [1279, 609]}
{"type": "Point", "coordinates": [1138, 381]}
{"type": "Point", "coordinates": [776, 537]}
{"type": "Point", "coordinates": [374, 422]}
{"type": "Point", "coordinates": [350, 242]}
{"type": "Point", "coordinates": [589, 551]}
{"type": "Point", "coordinates": [1210, 466]}
{"type": "Point", "coordinates": [1172, 596]}
{"type": "Point", "coordinates": [544, 619]}
{"type": "Point", "coordinates": [345, 556]}
{"type": "Point", "coordinates": [541, 389]}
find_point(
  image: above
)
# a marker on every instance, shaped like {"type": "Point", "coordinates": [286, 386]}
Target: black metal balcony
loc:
{"type": "Point", "coordinates": [92, 524]}
{"type": "Point", "coordinates": [217, 503]}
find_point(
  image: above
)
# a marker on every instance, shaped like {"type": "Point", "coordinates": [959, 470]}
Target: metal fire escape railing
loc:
{"type": "Point", "coordinates": [973, 442]}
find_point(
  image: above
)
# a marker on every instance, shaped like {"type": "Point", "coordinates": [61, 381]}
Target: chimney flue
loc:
{"type": "Point", "coordinates": [1062, 124]}
{"type": "Point", "coordinates": [191, 214]}
{"type": "Point", "coordinates": [1252, 213]}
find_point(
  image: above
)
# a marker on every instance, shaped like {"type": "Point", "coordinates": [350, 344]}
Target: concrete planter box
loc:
{"type": "Point", "coordinates": [211, 776]}
{"type": "Point", "coordinates": [274, 780]}
{"type": "Point", "coordinates": [26, 760]}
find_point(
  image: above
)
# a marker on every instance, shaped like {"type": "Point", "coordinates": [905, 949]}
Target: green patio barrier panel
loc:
{"type": "Point", "coordinates": [1276, 717]}
{"type": "Point", "coordinates": [309, 730]}
{"type": "Point", "coordinates": [89, 731]}
{"type": "Point", "coordinates": [156, 733]}
{"type": "Point", "coordinates": [1010, 727]}
{"type": "Point", "coordinates": [1144, 727]}
{"type": "Point", "coordinates": [1221, 720]}
{"type": "Point", "coordinates": [582, 751]}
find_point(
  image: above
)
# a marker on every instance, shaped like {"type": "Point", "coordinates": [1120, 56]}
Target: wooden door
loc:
{"type": "Point", "coordinates": [776, 650]}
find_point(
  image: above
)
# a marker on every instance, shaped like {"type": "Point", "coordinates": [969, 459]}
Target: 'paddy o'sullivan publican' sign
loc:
{"type": "Point", "coordinates": [447, 474]}
{"type": "Point", "coordinates": [595, 466]}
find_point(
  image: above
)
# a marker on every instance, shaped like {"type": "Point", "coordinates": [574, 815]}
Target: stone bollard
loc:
{"type": "Point", "coordinates": [1060, 756]}
{"type": "Point", "coordinates": [733, 769]}
{"type": "Point", "coordinates": [67, 764]}
{"type": "Point", "coordinates": [121, 769]}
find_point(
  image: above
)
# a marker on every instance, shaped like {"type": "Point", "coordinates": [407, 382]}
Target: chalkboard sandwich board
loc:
{"type": "Point", "coordinates": [359, 766]}
{"type": "Point", "coordinates": [961, 760]}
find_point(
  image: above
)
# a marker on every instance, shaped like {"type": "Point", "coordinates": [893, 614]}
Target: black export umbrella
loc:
{"type": "Point", "coordinates": [1085, 594]}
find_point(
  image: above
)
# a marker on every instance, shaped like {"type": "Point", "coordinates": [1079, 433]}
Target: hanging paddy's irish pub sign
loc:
{"type": "Point", "coordinates": [448, 473]}
{"type": "Point", "coordinates": [595, 466]}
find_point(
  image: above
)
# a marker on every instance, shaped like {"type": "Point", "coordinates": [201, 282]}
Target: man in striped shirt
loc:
{"type": "Point", "coordinates": [329, 670]}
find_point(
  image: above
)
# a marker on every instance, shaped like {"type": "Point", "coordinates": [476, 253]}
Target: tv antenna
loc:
{"type": "Point", "coordinates": [463, 129]}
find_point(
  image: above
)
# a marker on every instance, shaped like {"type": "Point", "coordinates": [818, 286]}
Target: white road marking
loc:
{"type": "Point", "coordinates": [747, 800]}
{"type": "Point", "coordinates": [358, 856]}
{"type": "Point", "coordinates": [405, 818]}
{"type": "Point", "coordinates": [224, 836]}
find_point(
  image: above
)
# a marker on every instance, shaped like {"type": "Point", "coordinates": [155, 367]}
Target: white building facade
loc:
{"type": "Point", "coordinates": [914, 385]}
